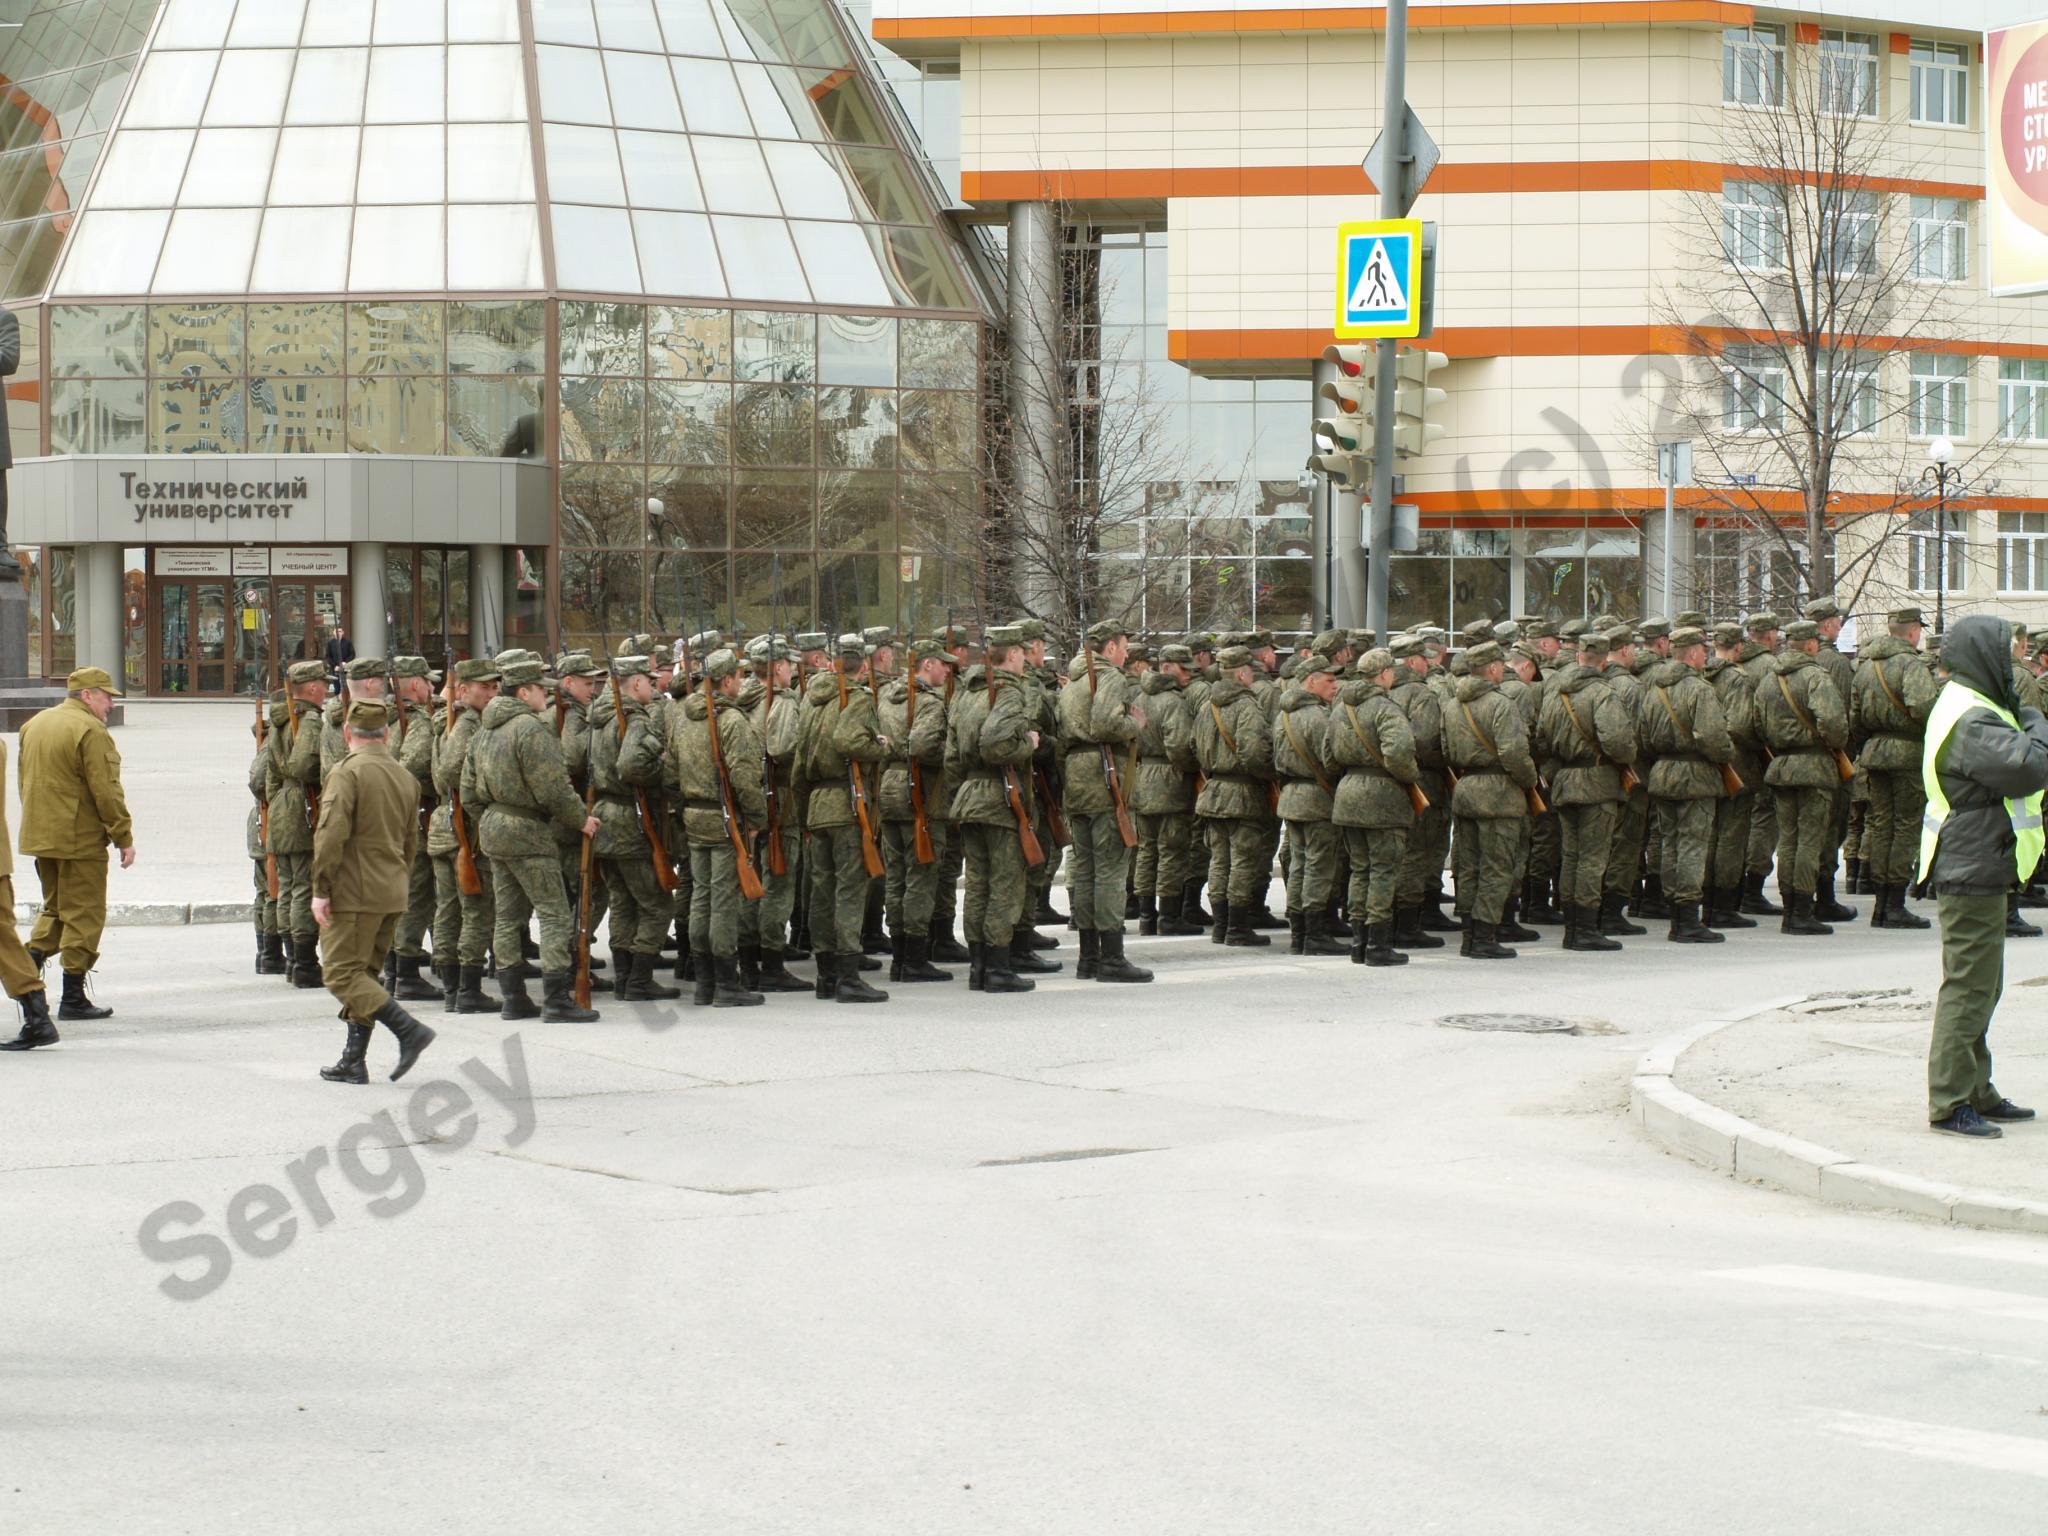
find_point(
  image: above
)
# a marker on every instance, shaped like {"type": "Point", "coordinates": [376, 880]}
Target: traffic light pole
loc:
{"type": "Point", "coordinates": [1381, 537]}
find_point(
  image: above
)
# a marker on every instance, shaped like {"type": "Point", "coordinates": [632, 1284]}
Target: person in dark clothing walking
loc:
{"type": "Point", "coordinates": [1984, 766]}
{"type": "Point", "coordinates": [340, 650]}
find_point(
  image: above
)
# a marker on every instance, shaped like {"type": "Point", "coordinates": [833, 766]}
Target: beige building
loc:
{"type": "Point", "coordinates": [1604, 207]}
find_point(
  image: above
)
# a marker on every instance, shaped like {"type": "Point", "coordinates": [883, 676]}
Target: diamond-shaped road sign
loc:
{"type": "Point", "coordinates": [1420, 159]}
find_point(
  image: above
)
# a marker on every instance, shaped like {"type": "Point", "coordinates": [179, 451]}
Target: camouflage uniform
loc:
{"type": "Point", "coordinates": [294, 777]}
{"type": "Point", "coordinates": [1301, 730]}
{"type": "Point", "coordinates": [706, 803]}
{"type": "Point", "coordinates": [462, 923]}
{"type": "Point", "coordinates": [1891, 697]}
{"type": "Point", "coordinates": [1422, 861]}
{"type": "Point", "coordinates": [1235, 755]}
{"type": "Point", "coordinates": [1803, 724]}
{"type": "Point", "coordinates": [839, 745]}
{"type": "Point", "coordinates": [1734, 691]}
{"type": "Point", "coordinates": [1632, 819]}
{"type": "Point", "coordinates": [1092, 715]}
{"type": "Point", "coordinates": [764, 925]}
{"type": "Point", "coordinates": [625, 763]}
{"type": "Point", "coordinates": [1163, 799]}
{"type": "Point", "coordinates": [269, 936]}
{"type": "Point", "coordinates": [1486, 743]}
{"type": "Point", "coordinates": [1841, 672]}
{"type": "Point", "coordinates": [985, 738]}
{"type": "Point", "coordinates": [412, 744]}
{"type": "Point", "coordinates": [572, 730]}
{"type": "Point", "coordinates": [1688, 738]}
{"type": "Point", "coordinates": [1761, 663]}
{"type": "Point", "coordinates": [1370, 740]}
{"type": "Point", "coordinates": [912, 887]}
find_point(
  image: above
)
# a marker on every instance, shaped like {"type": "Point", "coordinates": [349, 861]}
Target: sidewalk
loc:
{"type": "Point", "coordinates": [1827, 1096]}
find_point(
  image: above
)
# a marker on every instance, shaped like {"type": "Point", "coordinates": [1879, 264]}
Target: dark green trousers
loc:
{"type": "Point", "coordinates": [1625, 853]}
{"type": "Point", "coordinates": [715, 899]}
{"type": "Point", "coordinates": [1806, 819]}
{"type": "Point", "coordinates": [1488, 861]}
{"type": "Point", "coordinates": [1972, 978]}
{"type": "Point", "coordinates": [1685, 829]}
{"type": "Point", "coordinates": [1587, 837]}
{"type": "Point", "coordinates": [1312, 869]}
{"type": "Point", "coordinates": [839, 889]}
{"type": "Point", "coordinates": [639, 907]}
{"type": "Point", "coordinates": [766, 922]}
{"type": "Point", "coordinates": [1098, 873]}
{"type": "Point", "coordinates": [1891, 826]}
{"type": "Point", "coordinates": [1163, 858]}
{"type": "Point", "coordinates": [1375, 855]}
{"type": "Point", "coordinates": [996, 882]}
{"type": "Point", "coordinates": [1240, 868]}
{"type": "Point", "coordinates": [911, 889]}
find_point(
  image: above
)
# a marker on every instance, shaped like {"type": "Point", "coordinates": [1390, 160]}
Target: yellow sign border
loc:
{"type": "Point", "coordinates": [1412, 326]}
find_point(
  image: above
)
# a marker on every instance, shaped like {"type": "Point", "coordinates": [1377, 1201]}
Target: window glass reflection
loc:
{"type": "Point", "coordinates": [195, 339]}
{"type": "Point", "coordinates": [197, 415]}
{"type": "Point", "coordinates": [600, 337]}
{"type": "Point", "coordinates": [685, 343]}
{"type": "Point", "coordinates": [773, 344]}
{"type": "Point", "coordinates": [696, 507]}
{"type": "Point", "coordinates": [497, 335]}
{"type": "Point", "coordinates": [857, 428]}
{"type": "Point", "coordinates": [857, 511]}
{"type": "Point", "coordinates": [395, 415]}
{"type": "Point", "coordinates": [940, 354]}
{"type": "Point", "coordinates": [295, 339]}
{"type": "Point", "coordinates": [297, 416]}
{"type": "Point", "coordinates": [602, 506]}
{"type": "Point", "coordinates": [772, 424]}
{"type": "Point", "coordinates": [98, 416]}
{"type": "Point", "coordinates": [602, 419]}
{"type": "Point", "coordinates": [689, 423]}
{"type": "Point", "coordinates": [494, 418]}
{"type": "Point", "coordinates": [395, 336]}
{"type": "Point", "coordinates": [98, 340]}
{"type": "Point", "coordinates": [772, 509]}
{"type": "Point", "coordinates": [938, 430]}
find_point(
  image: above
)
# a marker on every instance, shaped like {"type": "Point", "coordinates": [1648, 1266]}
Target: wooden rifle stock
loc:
{"type": "Point", "coordinates": [467, 878]}
{"type": "Point", "coordinates": [772, 853]}
{"type": "Point", "coordinates": [1013, 790]}
{"type": "Point", "coordinates": [1055, 823]}
{"type": "Point", "coordinates": [743, 861]}
{"type": "Point", "coordinates": [1417, 798]}
{"type": "Point", "coordinates": [263, 810]}
{"type": "Point", "coordinates": [1126, 830]}
{"type": "Point", "coordinates": [921, 830]}
{"type": "Point", "coordinates": [1731, 781]}
{"type": "Point", "coordinates": [870, 854]}
{"type": "Point", "coordinates": [657, 851]}
{"type": "Point", "coordinates": [582, 993]}
{"type": "Point", "coordinates": [1537, 805]}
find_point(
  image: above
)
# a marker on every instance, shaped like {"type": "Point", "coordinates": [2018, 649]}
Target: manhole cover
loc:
{"type": "Point", "coordinates": [1508, 1023]}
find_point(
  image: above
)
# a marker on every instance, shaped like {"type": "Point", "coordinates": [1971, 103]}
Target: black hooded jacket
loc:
{"type": "Point", "coordinates": [1984, 761]}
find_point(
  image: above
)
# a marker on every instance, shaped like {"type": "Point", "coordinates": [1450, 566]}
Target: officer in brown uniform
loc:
{"type": "Point", "coordinates": [362, 860]}
{"type": "Point", "coordinates": [18, 969]}
{"type": "Point", "coordinates": [72, 808]}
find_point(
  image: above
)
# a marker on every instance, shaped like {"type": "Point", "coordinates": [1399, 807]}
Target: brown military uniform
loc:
{"type": "Point", "coordinates": [72, 808]}
{"type": "Point", "coordinates": [363, 854]}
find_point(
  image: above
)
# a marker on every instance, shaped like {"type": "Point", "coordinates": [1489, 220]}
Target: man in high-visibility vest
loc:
{"type": "Point", "coordinates": [1984, 766]}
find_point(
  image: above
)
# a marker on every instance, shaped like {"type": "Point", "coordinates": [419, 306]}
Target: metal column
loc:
{"type": "Point", "coordinates": [1394, 109]}
{"type": "Point", "coordinates": [1037, 396]}
{"type": "Point", "coordinates": [366, 598]}
{"type": "Point", "coordinates": [99, 598]}
{"type": "Point", "coordinates": [486, 599]}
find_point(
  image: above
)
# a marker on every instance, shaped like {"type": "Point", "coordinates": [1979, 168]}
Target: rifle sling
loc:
{"type": "Point", "coordinates": [1287, 725]}
{"type": "Point", "coordinates": [1820, 743]}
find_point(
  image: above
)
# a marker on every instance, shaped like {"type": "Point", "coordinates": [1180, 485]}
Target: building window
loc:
{"type": "Point", "coordinates": [1938, 395]}
{"type": "Point", "coordinates": [1848, 382]}
{"type": "Point", "coordinates": [1941, 239]}
{"type": "Point", "coordinates": [1753, 390]}
{"type": "Point", "coordinates": [2023, 551]}
{"type": "Point", "coordinates": [1753, 66]}
{"type": "Point", "coordinates": [1753, 225]}
{"type": "Point", "coordinates": [1940, 79]}
{"type": "Point", "coordinates": [1848, 73]}
{"type": "Point", "coordinates": [2023, 398]}
{"type": "Point", "coordinates": [1848, 227]}
{"type": "Point", "coordinates": [1947, 557]}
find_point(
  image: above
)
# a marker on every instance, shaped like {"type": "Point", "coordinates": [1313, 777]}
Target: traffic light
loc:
{"type": "Point", "coordinates": [1347, 456]}
{"type": "Point", "coordinates": [1414, 398]}
{"type": "Point", "coordinates": [1351, 362]}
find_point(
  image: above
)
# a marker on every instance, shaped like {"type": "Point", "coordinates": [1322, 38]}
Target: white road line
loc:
{"type": "Point", "coordinates": [1859, 1286]}
{"type": "Point", "coordinates": [1977, 1448]}
{"type": "Point", "coordinates": [2017, 1250]}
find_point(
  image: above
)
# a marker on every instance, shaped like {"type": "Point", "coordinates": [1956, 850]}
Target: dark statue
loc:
{"type": "Point", "coordinates": [10, 359]}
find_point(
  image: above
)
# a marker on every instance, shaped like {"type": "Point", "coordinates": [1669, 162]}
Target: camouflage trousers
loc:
{"type": "Point", "coordinates": [1422, 863]}
{"type": "Point", "coordinates": [996, 881]}
{"type": "Point", "coordinates": [295, 895]}
{"type": "Point", "coordinates": [1312, 870]}
{"type": "Point", "coordinates": [766, 922]}
{"type": "Point", "coordinates": [910, 889]}
{"type": "Point", "coordinates": [839, 889]}
{"type": "Point", "coordinates": [952, 863]}
{"type": "Point", "coordinates": [1805, 820]}
{"type": "Point", "coordinates": [532, 887]}
{"type": "Point", "coordinates": [1491, 853]}
{"type": "Point", "coordinates": [1891, 826]}
{"type": "Point", "coordinates": [264, 911]}
{"type": "Point", "coordinates": [1099, 873]}
{"type": "Point", "coordinates": [1838, 828]}
{"type": "Point", "coordinates": [638, 906]}
{"type": "Point", "coordinates": [715, 900]}
{"type": "Point", "coordinates": [1733, 819]}
{"type": "Point", "coordinates": [1164, 842]}
{"type": "Point", "coordinates": [1376, 855]}
{"type": "Point", "coordinates": [414, 922]}
{"type": "Point", "coordinates": [1631, 831]}
{"type": "Point", "coordinates": [1763, 832]}
{"type": "Point", "coordinates": [462, 924]}
{"type": "Point", "coordinates": [1546, 846]}
{"type": "Point", "coordinates": [1240, 868]}
{"type": "Point", "coordinates": [572, 882]}
{"type": "Point", "coordinates": [1686, 836]}
{"type": "Point", "coordinates": [1585, 841]}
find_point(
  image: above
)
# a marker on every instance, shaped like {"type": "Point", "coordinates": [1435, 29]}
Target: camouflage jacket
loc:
{"type": "Point", "coordinates": [1416, 698]}
{"type": "Point", "coordinates": [1686, 732]}
{"type": "Point", "coordinates": [570, 722]}
{"type": "Point", "coordinates": [982, 740]}
{"type": "Point", "coordinates": [832, 741]}
{"type": "Point", "coordinates": [1165, 781]}
{"type": "Point", "coordinates": [1889, 703]}
{"type": "Point", "coordinates": [1484, 740]}
{"type": "Point", "coordinates": [1802, 758]}
{"type": "Point", "coordinates": [1301, 729]}
{"type": "Point", "coordinates": [259, 779]}
{"type": "Point", "coordinates": [451, 750]}
{"type": "Point", "coordinates": [1582, 770]}
{"type": "Point", "coordinates": [617, 770]}
{"type": "Point", "coordinates": [693, 770]}
{"type": "Point", "coordinates": [515, 786]}
{"type": "Point", "coordinates": [1234, 753]}
{"type": "Point", "coordinates": [1088, 719]}
{"type": "Point", "coordinates": [1371, 744]}
{"type": "Point", "coordinates": [294, 769]}
{"type": "Point", "coordinates": [775, 727]}
{"type": "Point", "coordinates": [926, 744]}
{"type": "Point", "coordinates": [413, 746]}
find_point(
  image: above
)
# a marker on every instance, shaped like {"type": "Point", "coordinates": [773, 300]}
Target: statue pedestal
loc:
{"type": "Point", "coordinates": [20, 694]}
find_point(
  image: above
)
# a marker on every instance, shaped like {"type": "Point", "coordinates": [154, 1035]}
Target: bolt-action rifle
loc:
{"type": "Point", "coordinates": [743, 861]}
{"type": "Point", "coordinates": [1125, 828]}
{"type": "Point", "coordinates": [263, 804]}
{"type": "Point", "coordinates": [772, 852]}
{"type": "Point", "coordinates": [467, 878]}
{"type": "Point", "coordinates": [1013, 791]}
{"type": "Point", "coordinates": [870, 855]}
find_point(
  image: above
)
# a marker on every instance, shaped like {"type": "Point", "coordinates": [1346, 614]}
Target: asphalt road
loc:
{"type": "Point", "coordinates": [1261, 1248]}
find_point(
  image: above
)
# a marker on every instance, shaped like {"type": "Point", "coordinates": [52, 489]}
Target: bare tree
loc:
{"type": "Point", "coordinates": [1803, 290]}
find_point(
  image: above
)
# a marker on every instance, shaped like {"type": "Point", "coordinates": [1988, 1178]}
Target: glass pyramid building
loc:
{"type": "Point", "coordinates": [685, 252]}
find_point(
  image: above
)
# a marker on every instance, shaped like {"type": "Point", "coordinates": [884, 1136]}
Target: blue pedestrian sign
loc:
{"type": "Point", "coordinates": [1379, 278]}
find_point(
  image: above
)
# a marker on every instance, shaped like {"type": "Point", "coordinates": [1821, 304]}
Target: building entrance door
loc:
{"type": "Point", "coordinates": [191, 630]}
{"type": "Point", "coordinates": [217, 637]}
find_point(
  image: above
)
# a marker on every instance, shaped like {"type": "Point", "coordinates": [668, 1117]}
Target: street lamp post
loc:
{"type": "Point", "coordinates": [1942, 474]}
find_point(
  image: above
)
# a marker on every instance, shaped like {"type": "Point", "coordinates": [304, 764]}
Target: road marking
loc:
{"type": "Point", "coordinates": [2018, 1250]}
{"type": "Point", "coordinates": [1891, 1288]}
{"type": "Point", "coordinates": [1977, 1448]}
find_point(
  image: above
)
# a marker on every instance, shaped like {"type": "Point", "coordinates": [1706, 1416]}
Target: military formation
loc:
{"type": "Point", "coordinates": [859, 799]}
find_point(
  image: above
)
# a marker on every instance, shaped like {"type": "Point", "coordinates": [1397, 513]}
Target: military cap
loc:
{"type": "Point", "coordinates": [637, 645]}
{"type": "Point", "coordinates": [1507, 632]}
{"type": "Point", "coordinates": [1401, 647]}
{"type": "Point", "coordinates": [1030, 629]}
{"type": "Point", "coordinates": [1822, 608]}
{"type": "Point", "coordinates": [1102, 631]}
{"type": "Point", "coordinates": [1375, 661]}
{"type": "Point", "coordinates": [1571, 629]}
{"type": "Point", "coordinates": [1262, 640]}
{"type": "Point", "coordinates": [96, 677]}
{"type": "Point", "coordinates": [1619, 635]}
{"type": "Point", "coordinates": [517, 668]}
{"type": "Point", "coordinates": [1478, 631]}
{"type": "Point", "coordinates": [1761, 623]}
{"type": "Point", "coordinates": [878, 635]}
{"type": "Point", "coordinates": [1305, 665]}
{"type": "Point", "coordinates": [1689, 634]}
{"type": "Point", "coordinates": [1654, 629]}
{"type": "Point", "coordinates": [577, 664]}
{"type": "Point", "coordinates": [922, 651]}
{"type": "Point", "coordinates": [1728, 632]}
{"type": "Point", "coordinates": [767, 648]}
{"type": "Point", "coordinates": [1484, 654]}
{"type": "Point", "coordinates": [367, 715]}
{"type": "Point", "coordinates": [2038, 638]}
{"type": "Point", "coordinates": [1230, 637]}
{"type": "Point", "coordinates": [276, 695]}
{"type": "Point", "coordinates": [1231, 657]}
{"type": "Point", "coordinates": [1689, 618]}
{"type": "Point", "coordinates": [365, 667]}
{"type": "Point", "coordinates": [1198, 643]}
{"type": "Point", "coordinates": [720, 664]}
{"type": "Point", "coordinates": [851, 643]}
{"type": "Point", "coordinates": [1526, 649]}
{"type": "Point", "coordinates": [1329, 642]}
{"type": "Point", "coordinates": [1178, 654]}
{"type": "Point", "coordinates": [1593, 643]}
{"type": "Point", "coordinates": [1907, 615]}
{"type": "Point", "coordinates": [632, 666]}
{"type": "Point", "coordinates": [410, 666]}
{"type": "Point", "coordinates": [1802, 629]}
{"type": "Point", "coordinates": [1606, 621]}
{"type": "Point", "coordinates": [1004, 634]}
{"type": "Point", "coordinates": [1362, 639]}
{"type": "Point", "coordinates": [1537, 628]}
{"type": "Point", "coordinates": [952, 635]}
{"type": "Point", "coordinates": [811, 640]}
{"type": "Point", "coordinates": [705, 642]}
{"type": "Point", "coordinates": [477, 669]}
{"type": "Point", "coordinates": [299, 672]}
{"type": "Point", "coordinates": [1139, 651]}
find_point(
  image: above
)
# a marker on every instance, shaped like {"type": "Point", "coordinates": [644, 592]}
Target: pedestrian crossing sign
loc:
{"type": "Point", "coordinates": [1379, 278]}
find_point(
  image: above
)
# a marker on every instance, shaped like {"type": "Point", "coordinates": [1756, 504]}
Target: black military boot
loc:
{"type": "Point", "coordinates": [76, 1005]}
{"type": "Point", "coordinates": [996, 972]}
{"type": "Point", "coordinates": [469, 996]}
{"type": "Point", "coordinates": [1799, 916]}
{"type": "Point", "coordinates": [259, 951]}
{"type": "Point", "coordinates": [704, 980]}
{"type": "Point", "coordinates": [2031, 895]}
{"type": "Point", "coordinates": [875, 942]}
{"type": "Point", "coordinates": [728, 993]}
{"type": "Point", "coordinates": [1263, 916]}
{"type": "Point", "coordinates": [1297, 931]}
{"type": "Point", "coordinates": [2016, 927]}
{"type": "Point", "coordinates": [1901, 917]}
{"type": "Point", "coordinates": [1221, 923]}
{"type": "Point", "coordinates": [412, 986]}
{"type": "Point", "coordinates": [36, 1028]}
{"type": "Point", "coordinates": [1148, 915]}
{"type": "Point", "coordinates": [1613, 922]}
{"type": "Point", "coordinates": [1826, 908]}
{"type": "Point", "coordinates": [1686, 927]}
{"type": "Point", "coordinates": [1651, 901]}
{"type": "Point", "coordinates": [637, 979]}
{"type": "Point", "coordinates": [917, 963]}
{"type": "Point", "coordinates": [1583, 931]}
{"type": "Point", "coordinates": [895, 957]}
{"type": "Point", "coordinates": [1191, 905]}
{"type": "Point", "coordinates": [1881, 908]}
{"type": "Point", "coordinates": [272, 963]}
{"type": "Point", "coordinates": [353, 1066]}
{"type": "Point", "coordinates": [1512, 931]}
{"type": "Point", "coordinates": [1174, 921]}
{"type": "Point", "coordinates": [1464, 938]}
{"type": "Point", "coordinates": [446, 977]}
{"type": "Point", "coordinates": [306, 963]}
{"type": "Point", "coordinates": [1379, 944]}
{"type": "Point", "coordinates": [1334, 925]}
{"type": "Point", "coordinates": [1091, 955]}
{"type": "Point", "coordinates": [1044, 911]}
{"type": "Point", "coordinates": [1755, 902]}
{"type": "Point", "coordinates": [1360, 938]}
{"type": "Point", "coordinates": [558, 1000]}
{"type": "Point", "coordinates": [828, 976]}
{"type": "Point", "coordinates": [1723, 909]}
{"type": "Point", "coordinates": [1408, 930]}
{"type": "Point", "coordinates": [1316, 938]}
{"type": "Point", "coordinates": [1113, 966]}
{"type": "Point", "coordinates": [851, 989]}
{"type": "Point", "coordinates": [1536, 907]}
{"type": "Point", "coordinates": [1433, 918]}
{"type": "Point", "coordinates": [1025, 959]}
{"type": "Point", "coordinates": [1486, 944]}
{"type": "Point", "coordinates": [1032, 937]}
{"type": "Point", "coordinates": [977, 966]}
{"type": "Point", "coordinates": [1852, 876]}
{"type": "Point", "coordinates": [413, 1036]}
{"type": "Point", "coordinates": [772, 975]}
{"type": "Point", "coordinates": [1130, 905]}
{"type": "Point", "coordinates": [1241, 934]}
{"type": "Point", "coordinates": [512, 988]}
{"type": "Point", "coordinates": [948, 950]}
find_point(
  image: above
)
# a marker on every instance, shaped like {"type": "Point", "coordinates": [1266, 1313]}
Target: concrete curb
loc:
{"type": "Point", "coordinates": [154, 914]}
{"type": "Point", "coordinates": [1693, 1128]}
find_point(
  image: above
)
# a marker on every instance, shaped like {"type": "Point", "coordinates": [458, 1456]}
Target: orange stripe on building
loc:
{"type": "Point", "coordinates": [1160, 182]}
{"type": "Point", "coordinates": [1291, 345]}
{"type": "Point", "coordinates": [1594, 13]}
{"type": "Point", "coordinates": [1708, 504]}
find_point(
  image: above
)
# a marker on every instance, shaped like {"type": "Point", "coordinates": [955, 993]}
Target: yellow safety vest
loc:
{"type": "Point", "coordinates": [1955, 701]}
